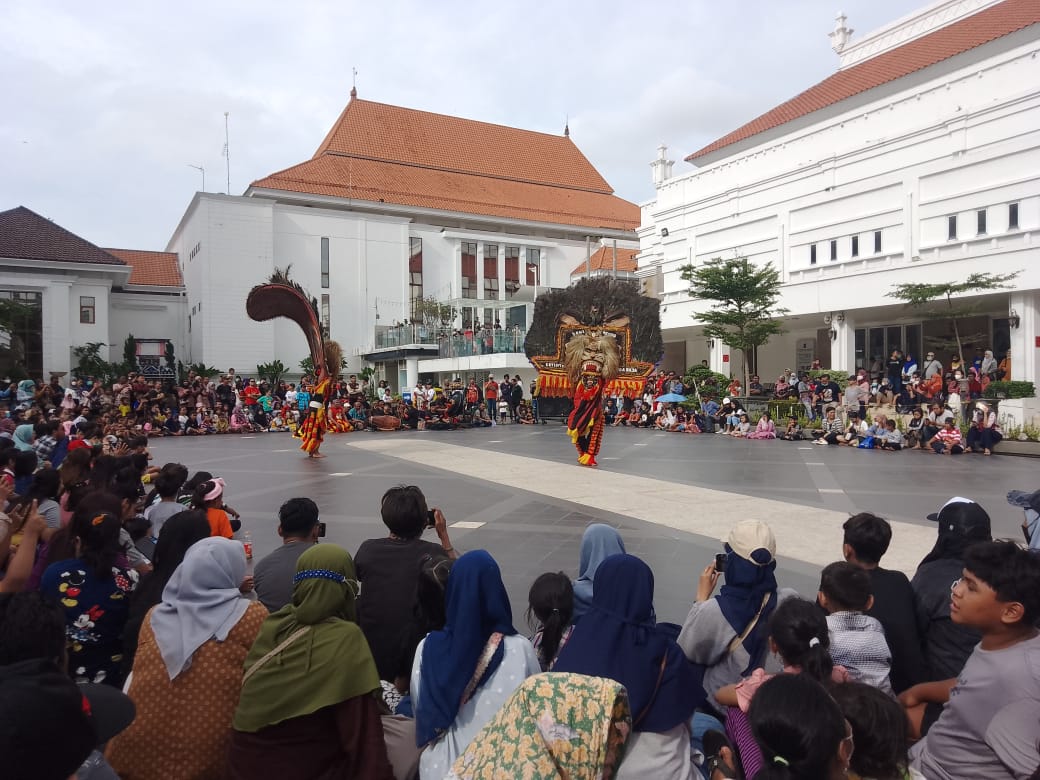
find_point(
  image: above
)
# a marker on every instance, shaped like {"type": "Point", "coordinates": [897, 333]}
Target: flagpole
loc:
{"type": "Point", "coordinates": [227, 152]}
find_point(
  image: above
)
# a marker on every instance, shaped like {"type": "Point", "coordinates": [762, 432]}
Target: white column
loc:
{"type": "Point", "coordinates": [1025, 351]}
{"type": "Point", "coordinates": [843, 347]}
{"type": "Point", "coordinates": [480, 275]}
{"type": "Point", "coordinates": [501, 282]}
{"type": "Point", "coordinates": [719, 358]}
{"type": "Point", "coordinates": [57, 327]}
{"type": "Point", "coordinates": [411, 371]}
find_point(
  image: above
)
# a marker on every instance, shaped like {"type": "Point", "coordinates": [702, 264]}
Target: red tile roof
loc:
{"type": "Point", "coordinates": [603, 260]}
{"type": "Point", "coordinates": [24, 234]}
{"type": "Point", "coordinates": [158, 269]}
{"type": "Point", "coordinates": [980, 28]}
{"type": "Point", "coordinates": [382, 153]}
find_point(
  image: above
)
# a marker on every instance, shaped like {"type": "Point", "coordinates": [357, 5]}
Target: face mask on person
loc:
{"type": "Point", "coordinates": [958, 375]}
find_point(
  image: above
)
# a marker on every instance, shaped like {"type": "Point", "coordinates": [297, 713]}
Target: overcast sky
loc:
{"type": "Point", "coordinates": [106, 104]}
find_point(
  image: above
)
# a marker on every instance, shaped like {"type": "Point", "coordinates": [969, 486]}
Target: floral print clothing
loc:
{"type": "Point", "coordinates": [554, 725]}
{"type": "Point", "coordinates": [95, 613]}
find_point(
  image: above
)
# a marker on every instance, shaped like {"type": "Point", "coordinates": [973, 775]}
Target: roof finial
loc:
{"type": "Point", "coordinates": [841, 33]}
{"type": "Point", "coordinates": [567, 126]}
{"type": "Point", "coordinates": [353, 86]}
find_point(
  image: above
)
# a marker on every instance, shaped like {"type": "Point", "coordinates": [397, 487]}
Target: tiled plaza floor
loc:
{"type": "Point", "coordinates": [671, 495]}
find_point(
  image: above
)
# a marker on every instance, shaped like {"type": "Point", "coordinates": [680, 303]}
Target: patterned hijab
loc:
{"type": "Point", "coordinates": [311, 653]}
{"type": "Point", "coordinates": [553, 726]}
{"type": "Point", "coordinates": [598, 543]}
{"type": "Point", "coordinates": [200, 602]}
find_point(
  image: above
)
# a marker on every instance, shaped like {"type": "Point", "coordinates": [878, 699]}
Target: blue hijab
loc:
{"type": "Point", "coordinates": [477, 606]}
{"type": "Point", "coordinates": [598, 543]}
{"type": "Point", "coordinates": [23, 437]}
{"type": "Point", "coordinates": [747, 584]}
{"type": "Point", "coordinates": [619, 640]}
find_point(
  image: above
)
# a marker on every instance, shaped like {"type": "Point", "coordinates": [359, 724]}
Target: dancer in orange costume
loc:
{"type": "Point", "coordinates": [585, 422]}
{"type": "Point", "coordinates": [312, 431]}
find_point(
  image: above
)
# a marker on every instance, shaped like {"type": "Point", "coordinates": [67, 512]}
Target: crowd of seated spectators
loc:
{"type": "Point", "coordinates": [130, 588]}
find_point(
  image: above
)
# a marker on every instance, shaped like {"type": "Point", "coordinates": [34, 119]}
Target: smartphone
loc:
{"type": "Point", "coordinates": [720, 562]}
{"type": "Point", "coordinates": [321, 529]}
{"type": "Point", "coordinates": [431, 518]}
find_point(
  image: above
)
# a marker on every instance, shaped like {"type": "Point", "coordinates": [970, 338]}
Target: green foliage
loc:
{"type": "Point", "coordinates": [90, 363]}
{"type": "Point", "coordinates": [839, 377]}
{"type": "Point", "coordinates": [307, 366]}
{"type": "Point", "coordinates": [744, 300]}
{"type": "Point", "coordinates": [171, 360]}
{"type": "Point", "coordinates": [13, 312]}
{"type": "Point", "coordinates": [1011, 390]}
{"type": "Point", "coordinates": [918, 296]}
{"type": "Point", "coordinates": [366, 373]}
{"type": "Point", "coordinates": [182, 372]}
{"type": "Point", "coordinates": [272, 371]}
{"type": "Point", "coordinates": [705, 382]}
{"type": "Point", "coordinates": [590, 301]}
{"type": "Point", "coordinates": [433, 314]}
{"type": "Point", "coordinates": [203, 371]}
{"type": "Point", "coordinates": [130, 352]}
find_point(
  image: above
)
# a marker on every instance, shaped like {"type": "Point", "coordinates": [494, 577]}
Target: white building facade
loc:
{"type": "Point", "coordinates": [918, 161]}
{"type": "Point", "coordinates": [371, 232]}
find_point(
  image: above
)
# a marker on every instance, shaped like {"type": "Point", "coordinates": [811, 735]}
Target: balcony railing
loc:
{"type": "Point", "coordinates": [452, 343]}
{"type": "Point", "coordinates": [402, 335]}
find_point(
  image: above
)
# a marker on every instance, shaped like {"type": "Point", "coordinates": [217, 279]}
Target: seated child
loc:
{"type": "Point", "coordinates": [857, 640]}
{"type": "Point", "coordinates": [988, 726]}
{"type": "Point", "coordinates": [793, 431]}
{"type": "Point", "coordinates": [892, 438]}
{"type": "Point", "coordinates": [743, 427]}
{"type": "Point", "coordinates": [798, 634]}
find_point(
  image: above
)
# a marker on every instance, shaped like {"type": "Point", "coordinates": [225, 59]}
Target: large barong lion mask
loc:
{"type": "Point", "coordinates": [592, 350]}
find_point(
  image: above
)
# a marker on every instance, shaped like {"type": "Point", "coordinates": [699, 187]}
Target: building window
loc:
{"type": "Point", "coordinates": [325, 263]}
{"type": "Point", "coordinates": [980, 222]}
{"type": "Point", "coordinates": [23, 331]}
{"type": "Point", "coordinates": [534, 259]}
{"type": "Point", "coordinates": [951, 228]}
{"type": "Point", "coordinates": [415, 285]}
{"type": "Point", "coordinates": [812, 254]}
{"type": "Point", "coordinates": [1012, 216]}
{"type": "Point", "coordinates": [469, 269]}
{"type": "Point", "coordinates": [834, 250]}
{"type": "Point", "coordinates": [512, 271]}
{"type": "Point", "coordinates": [490, 273]}
{"type": "Point", "coordinates": [326, 320]}
{"type": "Point", "coordinates": [86, 309]}
{"type": "Point", "coordinates": [877, 242]}
{"type": "Point", "coordinates": [855, 246]}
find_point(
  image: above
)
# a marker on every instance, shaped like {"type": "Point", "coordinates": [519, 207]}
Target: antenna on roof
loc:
{"type": "Point", "coordinates": [353, 85]}
{"type": "Point", "coordinates": [227, 151]}
{"type": "Point", "coordinates": [567, 126]}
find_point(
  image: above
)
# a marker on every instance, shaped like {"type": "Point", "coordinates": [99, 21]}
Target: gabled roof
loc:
{"type": "Point", "coordinates": [24, 234]}
{"type": "Point", "coordinates": [603, 260]}
{"type": "Point", "coordinates": [381, 153]}
{"type": "Point", "coordinates": [157, 269]}
{"type": "Point", "coordinates": [980, 28]}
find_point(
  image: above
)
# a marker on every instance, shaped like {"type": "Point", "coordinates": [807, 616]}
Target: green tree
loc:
{"type": "Point", "coordinates": [919, 296]}
{"type": "Point", "coordinates": [744, 295]}
{"type": "Point", "coordinates": [203, 371]}
{"type": "Point", "coordinates": [130, 353]}
{"type": "Point", "coordinates": [171, 360]}
{"type": "Point", "coordinates": [272, 371]}
{"type": "Point", "coordinates": [307, 366]}
{"type": "Point", "coordinates": [90, 363]}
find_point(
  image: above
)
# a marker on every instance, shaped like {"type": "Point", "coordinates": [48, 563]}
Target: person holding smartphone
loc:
{"type": "Point", "coordinates": [300, 529]}
{"type": "Point", "coordinates": [388, 569]}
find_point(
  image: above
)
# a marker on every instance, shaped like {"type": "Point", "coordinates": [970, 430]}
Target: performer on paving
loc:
{"type": "Point", "coordinates": [281, 297]}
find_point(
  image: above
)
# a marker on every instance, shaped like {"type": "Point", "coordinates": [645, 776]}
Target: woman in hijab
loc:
{"type": "Point", "coordinates": [618, 639]}
{"type": "Point", "coordinates": [188, 669]}
{"type": "Point", "coordinates": [181, 532]}
{"type": "Point", "coordinates": [465, 672]}
{"type": "Point", "coordinates": [553, 726]}
{"type": "Point", "coordinates": [962, 523]}
{"type": "Point", "coordinates": [23, 437]}
{"type": "Point", "coordinates": [598, 543]}
{"type": "Point", "coordinates": [309, 706]}
{"type": "Point", "coordinates": [728, 633]}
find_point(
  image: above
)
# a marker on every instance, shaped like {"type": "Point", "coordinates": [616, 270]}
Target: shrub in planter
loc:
{"type": "Point", "coordinates": [1011, 390]}
{"type": "Point", "coordinates": [705, 376]}
{"type": "Point", "coordinates": [839, 377]}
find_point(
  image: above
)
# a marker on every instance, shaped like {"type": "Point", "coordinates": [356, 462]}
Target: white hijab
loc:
{"type": "Point", "coordinates": [200, 602]}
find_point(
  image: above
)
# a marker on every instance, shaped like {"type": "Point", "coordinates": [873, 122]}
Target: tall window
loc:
{"type": "Point", "coordinates": [980, 222]}
{"type": "Point", "coordinates": [86, 309]}
{"type": "Point", "coordinates": [512, 271]}
{"type": "Point", "coordinates": [877, 242]}
{"type": "Point", "coordinates": [812, 254]}
{"type": "Point", "coordinates": [326, 319]}
{"type": "Point", "coordinates": [325, 263]}
{"type": "Point", "coordinates": [469, 269]}
{"type": "Point", "coordinates": [1012, 216]}
{"type": "Point", "coordinates": [855, 246]}
{"type": "Point", "coordinates": [415, 287]}
{"type": "Point", "coordinates": [490, 273]}
{"type": "Point", "coordinates": [951, 228]}
{"type": "Point", "coordinates": [534, 259]}
{"type": "Point", "coordinates": [834, 250]}
{"type": "Point", "coordinates": [24, 331]}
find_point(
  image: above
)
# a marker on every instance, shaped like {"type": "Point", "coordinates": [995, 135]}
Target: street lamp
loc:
{"type": "Point", "coordinates": [201, 170]}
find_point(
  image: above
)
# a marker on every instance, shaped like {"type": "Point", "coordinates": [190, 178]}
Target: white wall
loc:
{"type": "Point", "coordinates": [147, 315]}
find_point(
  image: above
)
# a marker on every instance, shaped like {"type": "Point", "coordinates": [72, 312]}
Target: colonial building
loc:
{"type": "Point", "coordinates": [425, 239]}
{"type": "Point", "coordinates": [77, 293]}
{"type": "Point", "coordinates": [918, 160]}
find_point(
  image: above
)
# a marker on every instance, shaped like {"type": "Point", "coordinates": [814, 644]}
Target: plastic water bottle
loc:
{"type": "Point", "coordinates": [247, 544]}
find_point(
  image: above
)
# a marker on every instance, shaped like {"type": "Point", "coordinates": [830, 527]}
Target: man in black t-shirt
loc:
{"type": "Point", "coordinates": [388, 570]}
{"type": "Point", "coordinates": [896, 605]}
{"type": "Point", "coordinates": [828, 394]}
